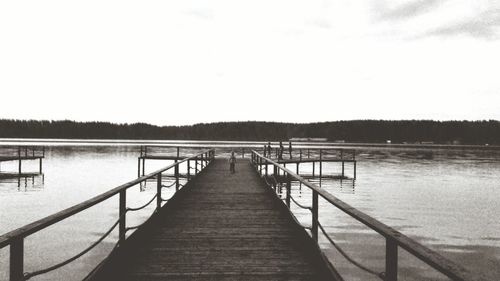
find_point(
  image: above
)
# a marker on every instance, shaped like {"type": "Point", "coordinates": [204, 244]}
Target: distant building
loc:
{"type": "Point", "coordinates": [309, 139]}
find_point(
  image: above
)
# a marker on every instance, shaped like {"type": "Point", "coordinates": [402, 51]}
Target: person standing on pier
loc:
{"type": "Point", "coordinates": [290, 148]}
{"type": "Point", "coordinates": [269, 149]}
{"type": "Point", "coordinates": [232, 162]}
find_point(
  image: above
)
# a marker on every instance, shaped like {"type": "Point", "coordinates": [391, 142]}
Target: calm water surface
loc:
{"type": "Point", "coordinates": [447, 199]}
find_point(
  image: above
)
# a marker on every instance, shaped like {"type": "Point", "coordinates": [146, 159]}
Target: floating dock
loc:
{"type": "Point", "coordinates": [21, 154]}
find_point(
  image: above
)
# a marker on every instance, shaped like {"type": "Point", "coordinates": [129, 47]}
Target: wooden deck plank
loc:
{"type": "Point", "coordinates": [222, 226]}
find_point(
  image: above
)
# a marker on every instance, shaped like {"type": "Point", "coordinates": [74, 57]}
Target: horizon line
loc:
{"type": "Point", "coordinates": [248, 121]}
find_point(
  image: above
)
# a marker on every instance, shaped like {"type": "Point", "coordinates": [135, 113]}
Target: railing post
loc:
{"type": "Point", "coordinates": [314, 229]}
{"type": "Point", "coordinates": [158, 193]}
{"type": "Point", "coordinates": [288, 190]}
{"type": "Point", "coordinates": [260, 166]}
{"type": "Point", "coordinates": [188, 170]}
{"type": "Point", "coordinates": [123, 210]}
{"type": "Point", "coordinates": [267, 164]}
{"type": "Point", "coordinates": [391, 260]}
{"type": "Point", "coordinates": [17, 260]}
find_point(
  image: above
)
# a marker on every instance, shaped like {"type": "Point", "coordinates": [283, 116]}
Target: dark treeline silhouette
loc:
{"type": "Point", "coordinates": [445, 132]}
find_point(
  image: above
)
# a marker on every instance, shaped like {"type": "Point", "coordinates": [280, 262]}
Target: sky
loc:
{"type": "Point", "coordinates": [190, 61]}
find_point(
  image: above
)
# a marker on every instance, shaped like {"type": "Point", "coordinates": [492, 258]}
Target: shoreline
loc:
{"type": "Point", "coordinates": [238, 144]}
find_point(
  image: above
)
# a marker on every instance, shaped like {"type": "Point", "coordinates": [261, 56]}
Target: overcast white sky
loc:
{"type": "Point", "coordinates": [185, 61]}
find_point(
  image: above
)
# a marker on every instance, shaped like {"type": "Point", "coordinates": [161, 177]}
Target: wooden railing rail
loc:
{"type": "Point", "coordinates": [16, 237]}
{"type": "Point", "coordinates": [394, 238]}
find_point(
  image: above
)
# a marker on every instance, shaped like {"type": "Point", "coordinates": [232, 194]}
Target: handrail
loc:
{"type": "Point", "coordinates": [16, 237]}
{"type": "Point", "coordinates": [393, 237]}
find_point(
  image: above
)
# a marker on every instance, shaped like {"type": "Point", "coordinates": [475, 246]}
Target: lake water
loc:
{"type": "Point", "coordinates": [447, 199]}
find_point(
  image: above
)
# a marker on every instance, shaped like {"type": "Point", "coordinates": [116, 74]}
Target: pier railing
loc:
{"type": "Point", "coordinates": [394, 239]}
{"type": "Point", "coordinates": [15, 238]}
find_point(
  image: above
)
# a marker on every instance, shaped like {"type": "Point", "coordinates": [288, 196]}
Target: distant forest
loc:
{"type": "Point", "coordinates": [410, 131]}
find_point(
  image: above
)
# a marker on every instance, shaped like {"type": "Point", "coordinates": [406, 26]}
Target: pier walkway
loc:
{"type": "Point", "coordinates": [221, 226]}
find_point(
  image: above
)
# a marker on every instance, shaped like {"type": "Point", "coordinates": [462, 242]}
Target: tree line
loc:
{"type": "Point", "coordinates": [411, 131]}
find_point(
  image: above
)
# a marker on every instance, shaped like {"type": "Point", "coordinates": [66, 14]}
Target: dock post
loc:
{"type": "Point", "coordinates": [354, 169]}
{"type": "Point", "coordinates": [288, 190]}
{"type": "Point", "coordinates": [275, 174]}
{"type": "Point", "coordinates": [320, 166]}
{"type": "Point", "coordinates": [123, 210]}
{"type": "Point", "coordinates": [314, 165]}
{"type": "Point", "coordinates": [139, 167]}
{"type": "Point", "coordinates": [267, 164]}
{"type": "Point", "coordinates": [17, 260]}
{"type": "Point", "coordinates": [176, 171]}
{"type": "Point", "coordinates": [314, 229]}
{"type": "Point", "coordinates": [297, 170]}
{"type": "Point", "coordinates": [188, 170]}
{"type": "Point", "coordinates": [143, 166]}
{"type": "Point", "coordinates": [342, 168]}
{"type": "Point", "coordinates": [19, 155]}
{"type": "Point", "coordinates": [300, 154]}
{"type": "Point", "coordinates": [391, 260]}
{"type": "Point", "coordinates": [158, 193]}
{"type": "Point", "coordinates": [40, 166]}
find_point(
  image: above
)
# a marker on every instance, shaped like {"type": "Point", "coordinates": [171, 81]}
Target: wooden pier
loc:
{"type": "Point", "coordinates": [21, 154]}
{"type": "Point", "coordinates": [223, 226]}
{"type": "Point", "coordinates": [218, 228]}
